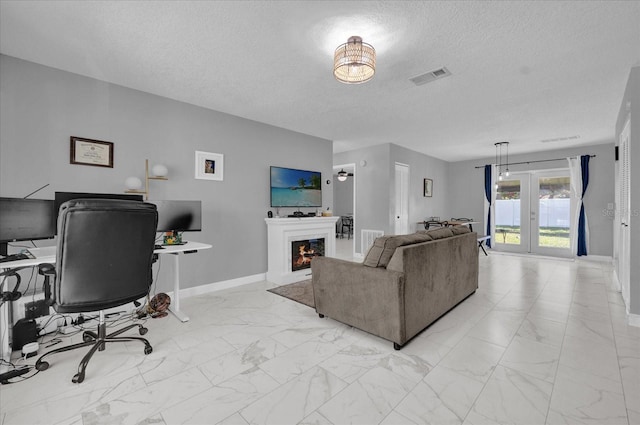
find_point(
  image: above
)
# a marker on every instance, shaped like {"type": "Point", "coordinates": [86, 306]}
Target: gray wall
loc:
{"type": "Point", "coordinates": [420, 167]}
{"type": "Point", "coordinates": [375, 186]}
{"type": "Point", "coordinates": [631, 105]}
{"type": "Point", "coordinates": [467, 189]}
{"type": "Point", "coordinates": [372, 182]}
{"type": "Point", "coordinates": [41, 107]}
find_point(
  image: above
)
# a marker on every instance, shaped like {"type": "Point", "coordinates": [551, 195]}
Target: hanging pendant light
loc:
{"type": "Point", "coordinates": [354, 62]}
{"type": "Point", "coordinates": [499, 163]}
{"type": "Point", "coordinates": [342, 175]}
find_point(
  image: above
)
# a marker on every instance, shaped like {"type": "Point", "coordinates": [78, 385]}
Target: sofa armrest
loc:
{"type": "Point", "coordinates": [368, 298]}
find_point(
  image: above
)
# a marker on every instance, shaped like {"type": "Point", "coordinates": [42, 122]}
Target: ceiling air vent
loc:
{"type": "Point", "coordinates": [560, 139]}
{"type": "Point", "coordinates": [430, 76]}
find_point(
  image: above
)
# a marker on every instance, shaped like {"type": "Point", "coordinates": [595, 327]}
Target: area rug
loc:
{"type": "Point", "coordinates": [301, 292]}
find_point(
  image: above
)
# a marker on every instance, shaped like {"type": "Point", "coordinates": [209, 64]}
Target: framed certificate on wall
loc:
{"type": "Point", "coordinates": [91, 152]}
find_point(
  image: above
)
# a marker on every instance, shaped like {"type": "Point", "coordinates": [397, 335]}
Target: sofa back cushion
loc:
{"type": "Point", "coordinates": [383, 247]}
{"type": "Point", "coordinates": [460, 230]}
{"type": "Point", "coordinates": [441, 233]}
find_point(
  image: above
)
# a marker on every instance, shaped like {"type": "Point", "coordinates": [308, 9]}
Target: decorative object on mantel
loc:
{"type": "Point", "coordinates": [134, 184]}
{"type": "Point", "coordinates": [428, 188]}
{"type": "Point", "coordinates": [91, 152]}
{"type": "Point", "coordinates": [209, 166]}
{"type": "Point", "coordinates": [354, 62]}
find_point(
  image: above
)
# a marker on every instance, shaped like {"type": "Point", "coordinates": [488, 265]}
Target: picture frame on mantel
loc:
{"type": "Point", "coordinates": [97, 153]}
{"type": "Point", "coordinates": [428, 188]}
{"type": "Point", "coordinates": [209, 166]}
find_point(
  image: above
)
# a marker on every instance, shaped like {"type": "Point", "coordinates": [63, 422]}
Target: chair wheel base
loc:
{"type": "Point", "coordinates": [42, 366]}
{"type": "Point", "coordinates": [77, 378]}
{"type": "Point", "coordinates": [143, 331]}
{"type": "Point", "coordinates": [148, 350]}
{"type": "Point", "coordinates": [321, 315]}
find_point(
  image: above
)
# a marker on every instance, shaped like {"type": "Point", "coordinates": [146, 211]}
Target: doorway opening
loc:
{"type": "Point", "coordinates": [344, 206]}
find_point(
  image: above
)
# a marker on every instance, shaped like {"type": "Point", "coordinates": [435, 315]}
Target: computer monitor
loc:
{"type": "Point", "coordinates": [62, 197]}
{"type": "Point", "coordinates": [179, 216]}
{"type": "Point", "coordinates": [25, 220]}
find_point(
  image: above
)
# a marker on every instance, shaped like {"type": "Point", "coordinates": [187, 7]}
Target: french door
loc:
{"type": "Point", "coordinates": [533, 213]}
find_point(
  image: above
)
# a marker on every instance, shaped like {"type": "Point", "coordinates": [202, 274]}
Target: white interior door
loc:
{"type": "Point", "coordinates": [401, 216]}
{"type": "Point", "coordinates": [624, 261]}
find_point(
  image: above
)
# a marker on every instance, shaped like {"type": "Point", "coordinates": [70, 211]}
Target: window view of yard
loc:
{"type": "Point", "coordinates": [557, 237]}
{"type": "Point", "coordinates": [554, 207]}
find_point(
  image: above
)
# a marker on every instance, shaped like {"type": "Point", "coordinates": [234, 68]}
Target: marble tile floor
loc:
{"type": "Point", "coordinates": [541, 342]}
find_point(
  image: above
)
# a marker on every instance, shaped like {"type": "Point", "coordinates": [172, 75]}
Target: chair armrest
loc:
{"type": "Point", "coordinates": [47, 270]}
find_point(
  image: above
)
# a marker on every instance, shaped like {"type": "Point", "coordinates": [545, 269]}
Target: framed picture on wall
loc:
{"type": "Point", "coordinates": [91, 152]}
{"type": "Point", "coordinates": [209, 166]}
{"type": "Point", "coordinates": [428, 188]}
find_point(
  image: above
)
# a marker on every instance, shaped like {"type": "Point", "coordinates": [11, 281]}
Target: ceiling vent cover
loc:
{"type": "Point", "coordinates": [560, 139]}
{"type": "Point", "coordinates": [430, 76]}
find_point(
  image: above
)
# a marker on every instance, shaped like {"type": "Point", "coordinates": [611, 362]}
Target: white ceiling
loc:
{"type": "Point", "coordinates": [521, 71]}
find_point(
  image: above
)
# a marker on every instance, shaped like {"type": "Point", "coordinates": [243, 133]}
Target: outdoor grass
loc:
{"type": "Point", "coordinates": [557, 237]}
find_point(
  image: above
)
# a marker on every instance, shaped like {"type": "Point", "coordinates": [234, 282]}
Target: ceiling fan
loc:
{"type": "Point", "coordinates": [342, 175]}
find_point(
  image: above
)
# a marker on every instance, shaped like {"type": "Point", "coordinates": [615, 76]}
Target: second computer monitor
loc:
{"type": "Point", "coordinates": [179, 216]}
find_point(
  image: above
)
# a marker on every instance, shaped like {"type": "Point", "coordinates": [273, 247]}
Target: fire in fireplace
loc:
{"type": "Point", "coordinates": [302, 252]}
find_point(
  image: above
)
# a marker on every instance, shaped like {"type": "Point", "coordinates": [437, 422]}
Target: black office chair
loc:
{"type": "Point", "coordinates": [103, 260]}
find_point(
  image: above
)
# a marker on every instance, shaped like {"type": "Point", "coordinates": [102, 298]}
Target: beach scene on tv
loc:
{"type": "Point", "coordinates": [295, 188]}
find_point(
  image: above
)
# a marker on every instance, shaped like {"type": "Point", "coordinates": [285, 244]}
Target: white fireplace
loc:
{"type": "Point", "coordinates": [281, 235]}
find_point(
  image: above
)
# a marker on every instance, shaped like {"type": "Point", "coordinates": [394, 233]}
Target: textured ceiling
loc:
{"type": "Point", "coordinates": [522, 72]}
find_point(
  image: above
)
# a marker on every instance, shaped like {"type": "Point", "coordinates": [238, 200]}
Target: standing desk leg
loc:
{"type": "Point", "coordinates": [174, 307]}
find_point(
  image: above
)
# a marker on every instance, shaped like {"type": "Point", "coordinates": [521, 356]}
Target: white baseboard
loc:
{"type": "Point", "coordinates": [218, 286]}
{"type": "Point", "coordinates": [633, 319]}
{"type": "Point", "coordinates": [597, 258]}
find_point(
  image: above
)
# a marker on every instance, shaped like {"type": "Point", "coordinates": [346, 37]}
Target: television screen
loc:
{"type": "Point", "coordinates": [179, 216]}
{"type": "Point", "coordinates": [295, 188]}
{"type": "Point", "coordinates": [26, 219]}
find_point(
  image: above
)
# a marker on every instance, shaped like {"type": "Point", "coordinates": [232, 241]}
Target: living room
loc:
{"type": "Point", "coordinates": [44, 102]}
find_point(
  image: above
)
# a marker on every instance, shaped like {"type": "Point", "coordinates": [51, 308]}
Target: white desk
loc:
{"type": "Point", "coordinates": [48, 255]}
{"type": "Point", "coordinates": [175, 251]}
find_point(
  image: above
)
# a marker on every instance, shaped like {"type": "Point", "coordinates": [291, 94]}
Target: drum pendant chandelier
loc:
{"type": "Point", "coordinates": [354, 62]}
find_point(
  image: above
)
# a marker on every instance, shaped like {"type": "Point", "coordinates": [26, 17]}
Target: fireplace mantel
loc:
{"type": "Point", "coordinates": [282, 231]}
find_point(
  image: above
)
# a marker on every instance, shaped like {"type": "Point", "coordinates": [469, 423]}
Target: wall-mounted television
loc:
{"type": "Point", "coordinates": [295, 188]}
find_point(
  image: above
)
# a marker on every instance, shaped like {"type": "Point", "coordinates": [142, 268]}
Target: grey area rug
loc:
{"type": "Point", "coordinates": [301, 292]}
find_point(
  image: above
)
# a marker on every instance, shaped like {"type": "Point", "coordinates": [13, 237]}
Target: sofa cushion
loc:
{"type": "Point", "coordinates": [383, 247]}
{"type": "Point", "coordinates": [460, 230]}
{"type": "Point", "coordinates": [444, 232]}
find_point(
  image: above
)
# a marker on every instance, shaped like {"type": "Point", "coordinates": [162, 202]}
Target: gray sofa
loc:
{"type": "Point", "coordinates": [405, 283]}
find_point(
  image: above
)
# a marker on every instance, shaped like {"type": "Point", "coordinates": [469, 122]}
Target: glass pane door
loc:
{"type": "Point", "coordinates": [553, 213]}
{"type": "Point", "coordinates": [510, 206]}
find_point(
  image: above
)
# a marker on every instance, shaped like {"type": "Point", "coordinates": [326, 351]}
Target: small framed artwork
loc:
{"type": "Point", "coordinates": [91, 152]}
{"type": "Point", "coordinates": [428, 188]}
{"type": "Point", "coordinates": [209, 166]}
